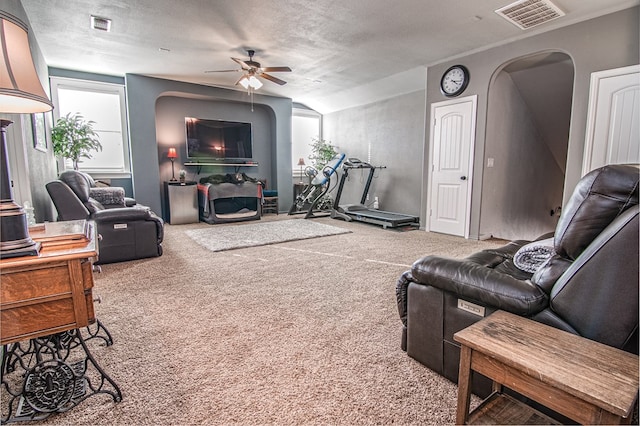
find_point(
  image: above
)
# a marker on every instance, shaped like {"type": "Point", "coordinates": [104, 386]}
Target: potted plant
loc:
{"type": "Point", "coordinates": [183, 175]}
{"type": "Point", "coordinates": [74, 138]}
{"type": "Point", "coordinates": [321, 153]}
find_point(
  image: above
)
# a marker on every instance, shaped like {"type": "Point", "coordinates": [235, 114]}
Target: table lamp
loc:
{"type": "Point", "coordinates": [172, 155]}
{"type": "Point", "coordinates": [301, 164]}
{"type": "Point", "coordinates": [20, 93]}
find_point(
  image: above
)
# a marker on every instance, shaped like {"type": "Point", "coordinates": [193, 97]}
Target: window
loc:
{"type": "Point", "coordinates": [104, 104]}
{"type": "Point", "coordinates": [305, 126]}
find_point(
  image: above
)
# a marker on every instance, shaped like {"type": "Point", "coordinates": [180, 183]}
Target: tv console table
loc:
{"type": "Point", "coordinates": [47, 315]}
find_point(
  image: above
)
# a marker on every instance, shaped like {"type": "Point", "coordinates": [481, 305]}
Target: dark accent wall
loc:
{"type": "Point", "coordinates": [170, 132]}
{"type": "Point", "coordinates": [81, 75]}
{"type": "Point", "coordinates": [147, 156]}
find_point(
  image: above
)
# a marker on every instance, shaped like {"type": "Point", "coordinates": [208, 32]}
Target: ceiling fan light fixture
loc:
{"type": "Point", "coordinates": [254, 82]}
{"type": "Point", "coordinates": [244, 82]}
{"type": "Point", "coordinates": [250, 82]}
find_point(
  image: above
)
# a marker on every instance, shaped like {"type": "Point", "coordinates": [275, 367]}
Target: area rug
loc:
{"type": "Point", "coordinates": [220, 238]}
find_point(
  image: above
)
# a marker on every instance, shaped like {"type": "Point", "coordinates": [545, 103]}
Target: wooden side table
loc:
{"type": "Point", "coordinates": [584, 380]}
{"type": "Point", "coordinates": [45, 301]}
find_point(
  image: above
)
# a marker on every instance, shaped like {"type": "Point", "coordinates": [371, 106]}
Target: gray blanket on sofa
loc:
{"type": "Point", "coordinates": [533, 255]}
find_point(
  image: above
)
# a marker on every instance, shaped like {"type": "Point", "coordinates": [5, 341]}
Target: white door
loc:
{"type": "Point", "coordinates": [452, 140]}
{"type": "Point", "coordinates": [613, 123]}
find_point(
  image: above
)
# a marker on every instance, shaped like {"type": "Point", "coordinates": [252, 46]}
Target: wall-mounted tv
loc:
{"type": "Point", "coordinates": [218, 139]}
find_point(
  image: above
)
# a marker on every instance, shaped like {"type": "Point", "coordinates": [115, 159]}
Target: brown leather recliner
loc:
{"type": "Point", "coordinates": [127, 233]}
{"type": "Point", "coordinates": [589, 287]}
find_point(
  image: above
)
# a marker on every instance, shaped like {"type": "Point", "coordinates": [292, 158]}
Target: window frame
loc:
{"type": "Point", "coordinates": [97, 87]}
{"type": "Point", "coordinates": [306, 113]}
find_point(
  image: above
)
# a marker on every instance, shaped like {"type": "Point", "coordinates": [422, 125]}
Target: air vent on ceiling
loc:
{"type": "Point", "coordinates": [526, 14]}
{"type": "Point", "coordinates": [102, 24]}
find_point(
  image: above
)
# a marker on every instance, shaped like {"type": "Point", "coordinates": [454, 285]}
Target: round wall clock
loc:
{"type": "Point", "coordinates": [454, 80]}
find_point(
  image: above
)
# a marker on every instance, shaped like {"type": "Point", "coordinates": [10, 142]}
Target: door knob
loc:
{"type": "Point", "coordinates": [463, 178]}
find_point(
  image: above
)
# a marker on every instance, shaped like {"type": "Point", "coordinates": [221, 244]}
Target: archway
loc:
{"type": "Point", "coordinates": [528, 121]}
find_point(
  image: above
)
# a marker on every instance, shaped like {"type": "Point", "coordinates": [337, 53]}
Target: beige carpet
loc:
{"type": "Point", "coordinates": [304, 332]}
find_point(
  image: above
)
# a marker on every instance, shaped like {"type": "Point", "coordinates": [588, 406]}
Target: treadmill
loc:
{"type": "Point", "coordinates": [360, 212]}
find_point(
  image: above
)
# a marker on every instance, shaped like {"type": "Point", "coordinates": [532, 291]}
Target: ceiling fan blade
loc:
{"type": "Point", "coordinates": [276, 69]}
{"type": "Point", "coordinates": [272, 78]}
{"type": "Point", "coordinates": [223, 71]}
{"type": "Point", "coordinates": [242, 63]}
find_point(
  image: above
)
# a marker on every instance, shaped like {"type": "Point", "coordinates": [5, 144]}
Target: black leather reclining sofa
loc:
{"type": "Point", "coordinates": [126, 233]}
{"type": "Point", "coordinates": [588, 287]}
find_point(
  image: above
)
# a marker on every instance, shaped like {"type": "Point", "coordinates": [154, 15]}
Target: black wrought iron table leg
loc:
{"type": "Point", "coordinates": [97, 330]}
{"type": "Point", "coordinates": [53, 374]}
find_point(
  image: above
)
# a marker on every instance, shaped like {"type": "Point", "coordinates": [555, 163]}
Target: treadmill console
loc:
{"type": "Point", "coordinates": [356, 163]}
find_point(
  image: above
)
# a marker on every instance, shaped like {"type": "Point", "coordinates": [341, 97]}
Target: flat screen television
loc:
{"type": "Point", "coordinates": [218, 140]}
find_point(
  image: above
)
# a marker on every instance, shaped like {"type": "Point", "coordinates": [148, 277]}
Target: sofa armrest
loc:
{"type": "Point", "coordinates": [481, 284]}
{"type": "Point", "coordinates": [401, 295]}
{"type": "Point", "coordinates": [121, 214]}
{"type": "Point", "coordinates": [130, 214]}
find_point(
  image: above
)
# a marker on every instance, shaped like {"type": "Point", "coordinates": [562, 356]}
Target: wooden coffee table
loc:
{"type": "Point", "coordinates": [583, 380]}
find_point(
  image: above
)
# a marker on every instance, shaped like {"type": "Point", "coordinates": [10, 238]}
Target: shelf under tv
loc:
{"type": "Point", "coordinates": [199, 165]}
{"type": "Point", "coordinates": [211, 163]}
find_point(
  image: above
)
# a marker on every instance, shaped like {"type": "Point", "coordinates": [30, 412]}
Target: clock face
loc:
{"type": "Point", "coordinates": [454, 80]}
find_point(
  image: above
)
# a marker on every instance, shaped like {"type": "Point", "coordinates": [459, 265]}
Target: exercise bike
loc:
{"type": "Point", "coordinates": [308, 201]}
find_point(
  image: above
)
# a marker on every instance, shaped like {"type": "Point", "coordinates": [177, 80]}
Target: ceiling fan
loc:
{"type": "Point", "coordinates": [252, 71]}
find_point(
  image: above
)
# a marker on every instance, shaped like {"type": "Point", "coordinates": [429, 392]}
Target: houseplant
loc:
{"type": "Point", "coordinates": [73, 137]}
{"type": "Point", "coordinates": [322, 152]}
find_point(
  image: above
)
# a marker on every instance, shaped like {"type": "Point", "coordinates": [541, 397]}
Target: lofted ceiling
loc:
{"type": "Point", "coordinates": [342, 53]}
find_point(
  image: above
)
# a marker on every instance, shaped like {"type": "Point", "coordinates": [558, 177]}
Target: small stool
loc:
{"type": "Point", "coordinates": [270, 201]}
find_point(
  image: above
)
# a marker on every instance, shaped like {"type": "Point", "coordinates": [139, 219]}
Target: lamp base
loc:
{"type": "Point", "coordinates": [33, 250]}
{"type": "Point", "coordinates": [14, 232]}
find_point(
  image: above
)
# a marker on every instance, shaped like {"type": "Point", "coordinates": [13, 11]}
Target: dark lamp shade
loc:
{"type": "Point", "coordinates": [20, 88]}
{"type": "Point", "coordinates": [172, 153]}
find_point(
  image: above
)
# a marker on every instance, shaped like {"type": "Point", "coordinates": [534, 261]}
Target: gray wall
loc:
{"type": "Point", "coordinates": [387, 133]}
{"type": "Point", "coordinates": [397, 131]}
{"type": "Point", "coordinates": [520, 209]}
{"type": "Point", "coordinates": [602, 43]}
{"type": "Point", "coordinates": [41, 165]}
{"type": "Point", "coordinates": [143, 93]}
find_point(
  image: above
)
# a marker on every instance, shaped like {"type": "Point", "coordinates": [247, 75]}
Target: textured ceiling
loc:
{"type": "Point", "coordinates": [341, 52]}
